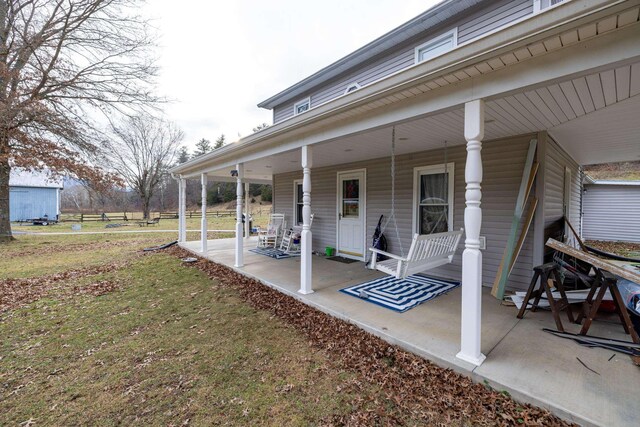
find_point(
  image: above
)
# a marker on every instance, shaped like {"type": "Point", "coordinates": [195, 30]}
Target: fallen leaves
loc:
{"type": "Point", "coordinates": [626, 249]}
{"type": "Point", "coordinates": [415, 388]}
{"type": "Point", "coordinates": [15, 293]}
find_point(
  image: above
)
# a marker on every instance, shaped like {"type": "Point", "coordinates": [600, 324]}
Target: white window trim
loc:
{"type": "Point", "coordinates": [296, 182]}
{"type": "Point", "coordinates": [355, 85]}
{"type": "Point", "coordinates": [453, 32]}
{"type": "Point", "coordinates": [426, 170]}
{"type": "Point", "coordinates": [297, 104]}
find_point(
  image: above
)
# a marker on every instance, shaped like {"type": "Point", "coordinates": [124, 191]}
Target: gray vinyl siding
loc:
{"type": "Point", "coordinates": [503, 162]}
{"type": "Point", "coordinates": [493, 15]}
{"type": "Point", "coordinates": [32, 202]}
{"type": "Point", "coordinates": [555, 162]}
{"type": "Point", "coordinates": [612, 212]}
{"type": "Point", "coordinates": [501, 14]}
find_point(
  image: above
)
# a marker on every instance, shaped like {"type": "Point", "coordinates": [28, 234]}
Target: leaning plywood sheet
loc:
{"type": "Point", "coordinates": [508, 258]}
{"type": "Point", "coordinates": [515, 250]}
{"type": "Point", "coordinates": [524, 232]}
{"type": "Point", "coordinates": [594, 261]}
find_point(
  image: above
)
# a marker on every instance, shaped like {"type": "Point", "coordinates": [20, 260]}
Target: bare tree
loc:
{"type": "Point", "coordinates": [74, 198]}
{"type": "Point", "coordinates": [62, 62]}
{"type": "Point", "coordinates": [141, 151]}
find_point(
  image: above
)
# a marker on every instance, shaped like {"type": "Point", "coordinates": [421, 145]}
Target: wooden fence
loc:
{"type": "Point", "coordinates": [137, 216]}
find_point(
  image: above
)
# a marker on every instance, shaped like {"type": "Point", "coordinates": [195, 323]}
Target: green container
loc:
{"type": "Point", "coordinates": [329, 251]}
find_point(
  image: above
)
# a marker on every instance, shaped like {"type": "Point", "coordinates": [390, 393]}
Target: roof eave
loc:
{"type": "Point", "coordinates": [521, 34]}
{"type": "Point", "coordinates": [358, 56]}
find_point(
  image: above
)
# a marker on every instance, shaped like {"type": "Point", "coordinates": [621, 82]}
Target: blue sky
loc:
{"type": "Point", "coordinates": [220, 58]}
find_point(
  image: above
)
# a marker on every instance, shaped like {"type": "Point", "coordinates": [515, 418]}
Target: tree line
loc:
{"type": "Point", "coordinates": [143, 163]}
{"type": "Point", "coordinates": [218, 192]}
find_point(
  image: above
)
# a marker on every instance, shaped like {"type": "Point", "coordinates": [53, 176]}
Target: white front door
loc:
{"type": "Point", "coordinates": [351, 214]}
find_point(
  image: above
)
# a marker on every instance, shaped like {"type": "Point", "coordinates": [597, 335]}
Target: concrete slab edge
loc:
{"type": "Point", "coordinates": [458, 367]}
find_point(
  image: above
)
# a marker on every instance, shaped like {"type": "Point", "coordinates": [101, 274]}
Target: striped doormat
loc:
{"type": "Point", "coordinates": [401, 294]}
{"type": "Point", "coordinates": [271, 252]}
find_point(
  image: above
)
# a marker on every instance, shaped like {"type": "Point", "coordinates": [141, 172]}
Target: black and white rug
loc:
{"type": "Point", "coordinates": [401, 294]}
{"type": "Point", "coordinates": [271, 252]}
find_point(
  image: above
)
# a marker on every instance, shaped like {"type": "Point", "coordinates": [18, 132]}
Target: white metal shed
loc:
{"type": "Point", "coordinates": [611, 210]}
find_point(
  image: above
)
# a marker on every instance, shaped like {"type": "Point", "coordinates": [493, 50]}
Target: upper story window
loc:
{"type": "Point", "coordinates": [437, 46]}
{"type": "Point", "coordinates": [539, 5]}
{"type": "Point", "coordinates": [352, 87]}
{"type": "Point", "coordinates": [301, 106]}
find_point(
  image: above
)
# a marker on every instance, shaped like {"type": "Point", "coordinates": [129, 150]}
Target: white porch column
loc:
{"type": "Point", "coordinates": [305, 243]}
{"type": "Point", "coordinates": [182, 210]}
{"type": "Point", "coordinates": [472, 257]}
{"type": "Point", "coordinates": [203, 223]}
{"type": "Point", "coordinates": [247, 229]}
{"type": "Point", "coordinates": [239, 245]}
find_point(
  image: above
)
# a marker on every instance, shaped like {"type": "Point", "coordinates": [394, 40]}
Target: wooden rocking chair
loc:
{"type": "Point", "coordinates": [270, 236]}
{"type": "Point", "coordinates": [427, 251]}
{"type": "Point", "coordinates": [288, 244]}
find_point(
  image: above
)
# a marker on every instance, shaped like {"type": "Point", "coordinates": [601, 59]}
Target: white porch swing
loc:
{"type": "Point", "coordinates": [427, 251]}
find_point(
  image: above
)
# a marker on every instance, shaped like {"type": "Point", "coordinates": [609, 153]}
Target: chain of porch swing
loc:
{"type": "Point", "coordinates": [392, 216]}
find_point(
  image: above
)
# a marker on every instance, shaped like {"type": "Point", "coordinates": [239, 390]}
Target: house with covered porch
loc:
{"type": "Point", "coordinates": [436, 122]}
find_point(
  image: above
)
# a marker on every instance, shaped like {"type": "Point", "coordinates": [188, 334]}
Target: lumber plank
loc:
{"type": "Point", "coordinates": [575, 234]}
{"type": "Point", "coordinates": [525, 231]}
{"type": "Point", "coordinates": [528, 176]}
{"type": "Point", "coordinates": [523, 193]}
{"type": "Point", "coordinates": [594, 260]}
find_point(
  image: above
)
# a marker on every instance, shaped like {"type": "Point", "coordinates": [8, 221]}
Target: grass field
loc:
{"type": "Point", "coordinates": [97, 332]}
{"type": "Point", "coordinates": [147, 340]}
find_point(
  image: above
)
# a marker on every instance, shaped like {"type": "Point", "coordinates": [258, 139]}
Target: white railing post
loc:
{"type": "Point", "coordinates": [182, 210]}
{"type": "Point", "coordinates": [203, 223]}
{"type": "Point", "coordinates": [247, 229]}
{"type": "Point", "coordinates": [239, 245]}
{"type": "Point", "coordinates": [470, 339]}
{"type": "Point", "coordinates": [306, 256]}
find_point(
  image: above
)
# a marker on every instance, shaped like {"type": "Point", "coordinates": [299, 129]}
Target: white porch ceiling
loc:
{"type": "Point", "coordinates": [611, 134]}
{"type": "Point", "coordinates": [595, 117]}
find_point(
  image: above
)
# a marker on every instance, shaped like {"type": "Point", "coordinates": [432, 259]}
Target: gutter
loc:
{"type": "Point", "coordinates": [607, 182]}
{"type": "Point", "coordinates": [532, 29]}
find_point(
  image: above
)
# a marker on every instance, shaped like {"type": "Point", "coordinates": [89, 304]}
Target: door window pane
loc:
{"type": "Point", "coordinates": [351, 198]}
{"type": "Point", "coordinates": [350, 208]}
{"type": "Point", "coordinates": [351, 189]}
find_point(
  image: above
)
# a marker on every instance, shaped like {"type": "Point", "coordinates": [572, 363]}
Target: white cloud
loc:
{"type": "Point", "coordinates": [220, 58]}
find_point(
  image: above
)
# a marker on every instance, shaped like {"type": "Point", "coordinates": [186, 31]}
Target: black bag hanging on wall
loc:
{"type": "Point", "coordinates": [379, 241]}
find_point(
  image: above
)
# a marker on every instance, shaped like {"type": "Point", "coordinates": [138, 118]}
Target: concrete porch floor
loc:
{"type": "Point", "coordinates": [532, 365]}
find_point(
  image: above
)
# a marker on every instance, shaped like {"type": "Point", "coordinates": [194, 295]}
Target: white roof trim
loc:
{"type": "Point", "coordinates": [40, 179]}
{"type": "Point", "coordinates": [612, 182]}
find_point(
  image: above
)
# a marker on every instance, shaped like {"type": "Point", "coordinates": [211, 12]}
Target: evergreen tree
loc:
{"type": "Point", "coordinates": [202, 147]}
{"type": "Point", "coordinates": [267, 193]}
{"type": "Point", "coordinates": [183, 155]}
{"type": "Point", "coordinates": [219, 142]}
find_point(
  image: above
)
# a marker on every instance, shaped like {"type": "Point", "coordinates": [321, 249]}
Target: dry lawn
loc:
{"type": "Point", "coordinates": [125, 337]}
